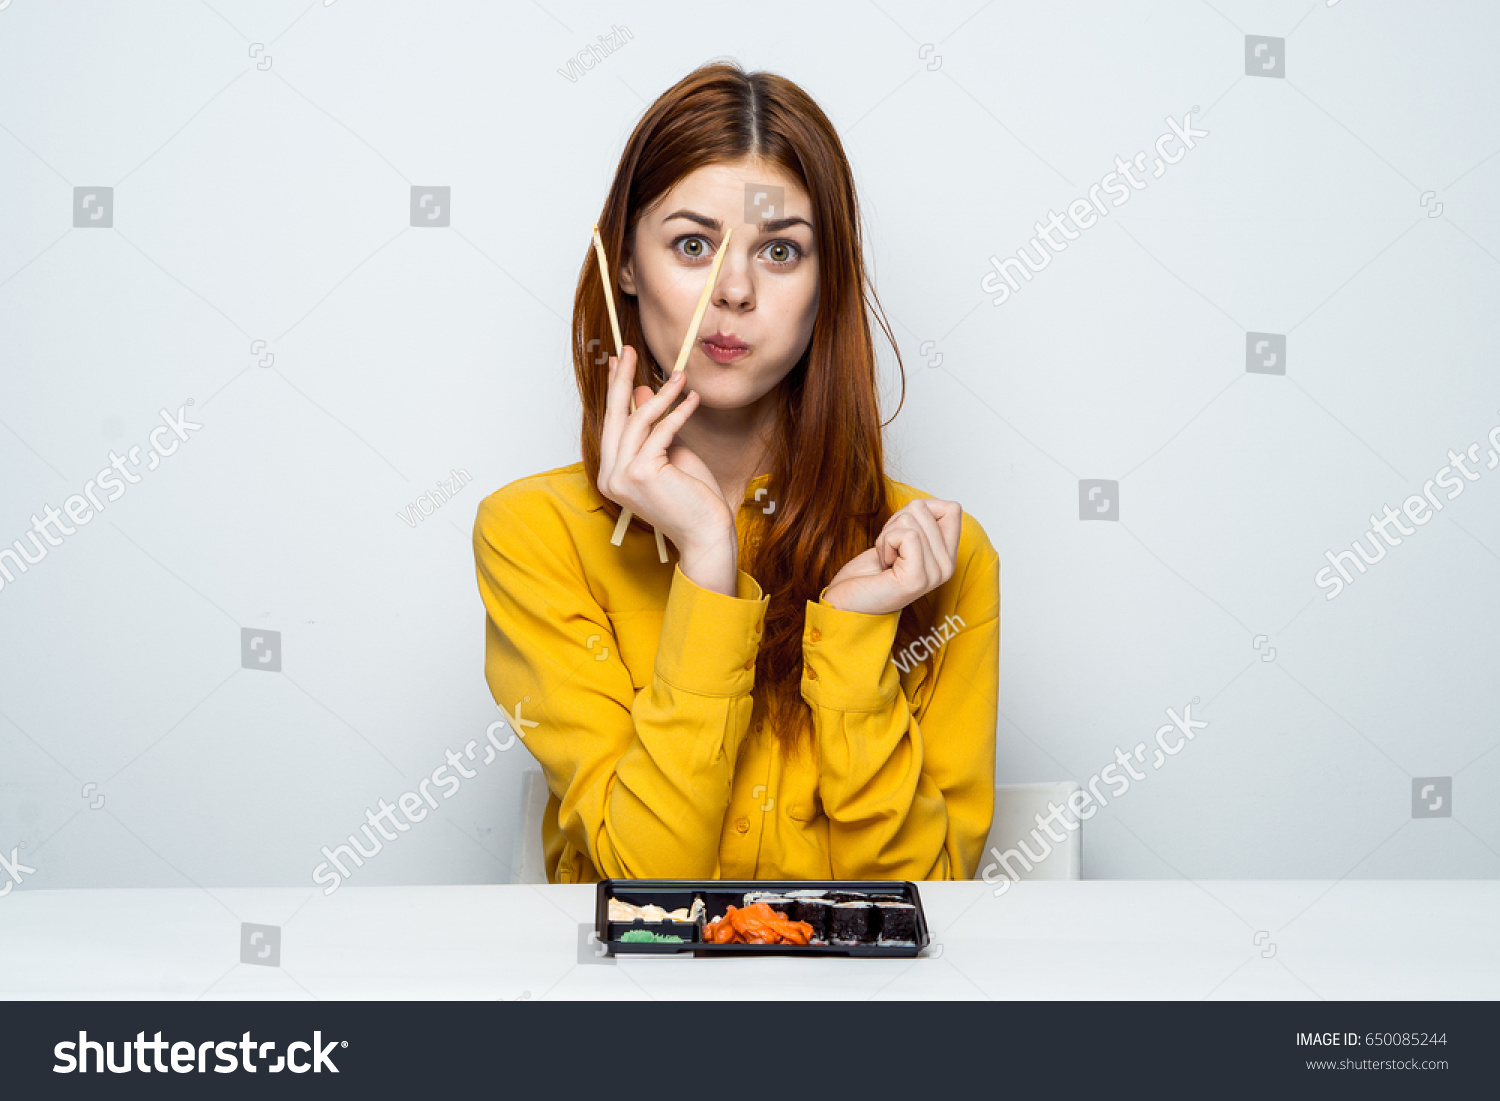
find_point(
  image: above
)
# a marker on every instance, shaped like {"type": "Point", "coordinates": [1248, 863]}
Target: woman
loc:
{"type": "Point", "coordinates": [809, 689]}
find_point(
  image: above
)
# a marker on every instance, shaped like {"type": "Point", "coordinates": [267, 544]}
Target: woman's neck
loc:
{"type": "Point", "coordinates": [731, 443]}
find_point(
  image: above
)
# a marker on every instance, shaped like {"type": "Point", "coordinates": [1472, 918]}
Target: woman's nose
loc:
{"type": "Point", "coordinates": [736, 286]}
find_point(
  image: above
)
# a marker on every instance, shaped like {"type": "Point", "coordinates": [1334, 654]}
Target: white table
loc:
{"type": "Point", "coordinates": [1352, 939]}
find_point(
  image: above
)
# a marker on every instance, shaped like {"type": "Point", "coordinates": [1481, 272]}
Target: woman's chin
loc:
{"type": "Point", "coordinates": [724, 394]}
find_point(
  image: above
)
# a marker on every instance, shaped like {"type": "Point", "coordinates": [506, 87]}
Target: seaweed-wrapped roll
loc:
{"type": "Point", "coordinates": [769, 897]}
{"type": "Point", "coordinates": [897, 922]}
{"type": "Point", "coordinates": [815, 912]}
{"type": "Point", "coordinates": [849, 922]}
{"type": "Point", "coordinates": [846, 896]}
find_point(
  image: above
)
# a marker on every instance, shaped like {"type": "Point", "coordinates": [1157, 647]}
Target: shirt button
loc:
{"type": "Point", "coordinates": [750, 664]}
{"type": "Point", "coordinates": [812, 674]}
{"type": "Point", "coordinates": [743, 825]}
{"type": "Point", "coordinates": [815, 635]}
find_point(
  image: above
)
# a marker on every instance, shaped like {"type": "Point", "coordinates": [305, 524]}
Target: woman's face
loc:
{"type": "Point", "coordinates": [760, 317]}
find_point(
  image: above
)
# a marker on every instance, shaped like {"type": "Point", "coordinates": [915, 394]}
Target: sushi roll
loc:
{"type": "Point", "coordinates": [776, 900]}
{"type": "Point", "coordinates": [846, 896]}
{"type": "Point", "coordinates": [815, 912]}
{"type": "Point", "coordinates": [898, 923]}
{"type": "Point", "coordinates": [849, 922]}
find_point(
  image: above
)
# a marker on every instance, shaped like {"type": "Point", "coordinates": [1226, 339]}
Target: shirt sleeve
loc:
{"type": "Point", "coordinates": [643, 777]}
{"type": "Point", "coordinates": [905, 799]}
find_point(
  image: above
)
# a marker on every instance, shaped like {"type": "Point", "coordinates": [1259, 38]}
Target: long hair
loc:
{"type": "Point", "coordinates": [827, 462]}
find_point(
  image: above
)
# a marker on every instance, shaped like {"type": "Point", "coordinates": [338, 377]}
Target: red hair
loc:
{"type": "Point", "coordinates": [826, 455]}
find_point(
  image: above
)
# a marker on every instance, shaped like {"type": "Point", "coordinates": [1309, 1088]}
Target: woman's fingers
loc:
{"type": "Point", "coordinates": [624, 431]}
{"type": "Point", "coordinates": [943, 523]}
{"type": "Point", "coordinates": [950, 516]}
{"type": "Point", "coordinates": [666, 429]}
{"type": "Point", "coordinates": [911, 543]}
{"type": "Point", "coordinates": [616, 406]}
{"type": "Point", "coordinates": [648, 407]}
{"type": "Point", "coordinates": [937, 545]}
{"type": "Point", "coordinates": [925, 533]}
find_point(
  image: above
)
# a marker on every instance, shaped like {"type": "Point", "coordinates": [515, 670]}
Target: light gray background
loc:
{"type": "Point", "coordinates": [257, 201]}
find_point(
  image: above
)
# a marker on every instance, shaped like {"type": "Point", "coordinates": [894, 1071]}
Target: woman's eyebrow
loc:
{"type": "Point", "coordinates": [765, 226]}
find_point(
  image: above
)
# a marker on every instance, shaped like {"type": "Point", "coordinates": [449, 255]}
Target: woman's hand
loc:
{"type": "Point", "coordinates": [914, 554]}
{"type": "Point", "coordinates": [642, 469]}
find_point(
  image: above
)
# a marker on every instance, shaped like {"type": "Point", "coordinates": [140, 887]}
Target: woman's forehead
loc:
{"type": "Point", "coordinates": [735, 190]}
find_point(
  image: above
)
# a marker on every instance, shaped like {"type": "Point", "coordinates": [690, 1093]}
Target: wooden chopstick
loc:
{"type": "Point", "coordinates": [708, 290]}
{"type": "Point", "coordinates": [614, 328]}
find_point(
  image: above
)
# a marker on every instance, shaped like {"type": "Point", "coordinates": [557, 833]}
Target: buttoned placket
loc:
{"type": "Point", "coordinates": [758, 765]}
{"type": "Point", "coordinates": [745, 822]}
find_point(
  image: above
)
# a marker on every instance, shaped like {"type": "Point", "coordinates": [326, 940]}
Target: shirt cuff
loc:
{"type": "Point", "coordinates": [709, 641]}
{"type": "Point", "coordinates": [846, 658]}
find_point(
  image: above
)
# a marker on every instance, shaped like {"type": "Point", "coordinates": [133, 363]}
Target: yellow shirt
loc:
{"type": "Point", "coordinates": [633, 687]}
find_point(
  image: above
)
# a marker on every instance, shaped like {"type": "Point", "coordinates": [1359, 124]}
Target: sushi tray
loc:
{"type": "Point", "coordinates": [793, 917]}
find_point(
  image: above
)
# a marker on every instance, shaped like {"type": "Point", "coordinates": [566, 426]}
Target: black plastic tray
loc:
{"type": "Point", "coordinates": [718, 895]}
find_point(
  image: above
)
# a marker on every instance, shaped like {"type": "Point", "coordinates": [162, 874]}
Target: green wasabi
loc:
{"type": "Point", "coordinates": [646, 936]}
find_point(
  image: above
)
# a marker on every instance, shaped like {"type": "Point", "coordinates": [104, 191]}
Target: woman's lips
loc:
{"type": "Point", "coordinates": [721, 353]}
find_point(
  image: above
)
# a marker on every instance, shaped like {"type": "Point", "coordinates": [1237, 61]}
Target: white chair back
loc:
{"type": "Point", "coordinates": [530, 863]}
{"type": "Point", "coordinates": [1018, 848]}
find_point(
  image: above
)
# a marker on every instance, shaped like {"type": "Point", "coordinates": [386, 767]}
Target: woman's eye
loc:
{"type": "Point", "coordinates": [782, 252]}
{"type": "Point", "coordinates": [779, 253]}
